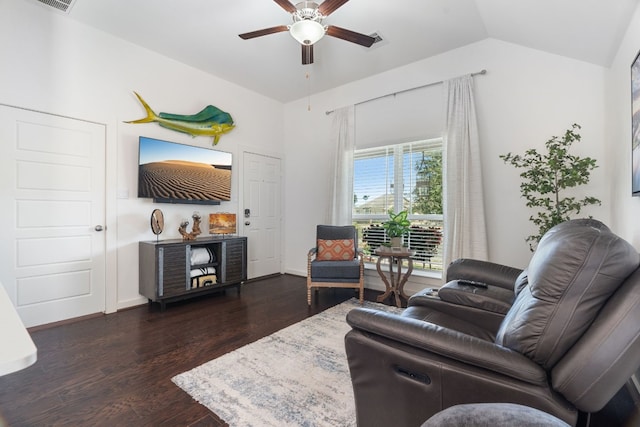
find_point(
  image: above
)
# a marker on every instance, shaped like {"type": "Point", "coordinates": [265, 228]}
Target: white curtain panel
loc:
{"type": "Point", "coordinates": [344, 141]}
{"type": "Point", "coordinates": [464, 219]}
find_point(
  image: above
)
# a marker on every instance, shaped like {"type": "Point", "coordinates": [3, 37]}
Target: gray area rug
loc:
{"type": "Point", "coordinates": [297, 376]}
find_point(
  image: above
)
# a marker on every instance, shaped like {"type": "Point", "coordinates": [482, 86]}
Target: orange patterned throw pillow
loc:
{"type": "Point", "coordinates": [335, 250]}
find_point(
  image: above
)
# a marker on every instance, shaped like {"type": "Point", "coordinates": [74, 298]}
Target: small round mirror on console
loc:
{"type": "Point", "coordinates": [157, 221]}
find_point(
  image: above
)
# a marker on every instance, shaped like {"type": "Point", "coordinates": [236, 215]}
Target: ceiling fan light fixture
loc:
{"type": "Point", "coordinates": [306, 31]}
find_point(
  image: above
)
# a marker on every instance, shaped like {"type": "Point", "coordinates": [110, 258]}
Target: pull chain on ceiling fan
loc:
{"type": "Point", "coordinates": [307, 27]}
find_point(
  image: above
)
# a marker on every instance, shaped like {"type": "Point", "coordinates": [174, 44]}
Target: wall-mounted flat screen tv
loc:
{"type": "Point", "coordinates": [169, 172]}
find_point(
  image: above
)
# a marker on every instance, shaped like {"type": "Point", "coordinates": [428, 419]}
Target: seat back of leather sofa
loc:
{"type": "Point", "coordinates": [577, 266]}
{"type": "Point", "coordinates": [607, 354]}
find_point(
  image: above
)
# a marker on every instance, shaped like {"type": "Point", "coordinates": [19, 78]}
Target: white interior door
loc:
{"type": "Point", "coordinates": [52, 211]}
{"type": "Point", "coordinates": [260, 215]}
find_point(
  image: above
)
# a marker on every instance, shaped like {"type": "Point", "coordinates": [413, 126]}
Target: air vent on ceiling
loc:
{"type": "Point", "coordinates": [63, 6]}
{"type": "Point", "coordinates": [377, 37]}
{"type": "Point", "coordinates": [379, 40]}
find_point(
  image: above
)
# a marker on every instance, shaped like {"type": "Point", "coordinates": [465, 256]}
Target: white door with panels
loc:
{"type": "Point", "coordinates": [52, 213]}
{"type": "Point", "coordinates": [260, 214]}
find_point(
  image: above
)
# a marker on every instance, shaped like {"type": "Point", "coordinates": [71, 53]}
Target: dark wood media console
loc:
{"type": "Point", "coordinates": [171, 270]}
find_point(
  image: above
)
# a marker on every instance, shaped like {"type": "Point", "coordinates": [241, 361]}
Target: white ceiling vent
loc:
{"type": "Point", "coordinates": [377, 37]}
{"type": "Point", "coordinates": [379, 40]}
{"type": "Point", "coordinates": [63, 6]}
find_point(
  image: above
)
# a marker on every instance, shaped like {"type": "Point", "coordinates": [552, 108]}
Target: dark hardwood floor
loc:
{"type": "Point", "coordinates": [116, 370]}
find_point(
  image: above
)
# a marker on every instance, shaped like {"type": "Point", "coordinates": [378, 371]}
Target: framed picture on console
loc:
{"type": "Point", "coordinates": [635, 126]}
{"type": "Point", "coordinates": [222, 223]}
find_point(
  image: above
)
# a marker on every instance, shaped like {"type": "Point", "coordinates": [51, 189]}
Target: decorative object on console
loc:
{"type": "Point", "coordinates": [211, 121]}
{"type": "Point", "coordinates": [195, 230]}
{"type": "Point", "coordinates": [307, 26]}
{"type": "Point", "coordinates": [222, 223]}
{"type": "Point", "coordinates": [157, 222]}
{"type": "Point", "coordinates": [546, 175]}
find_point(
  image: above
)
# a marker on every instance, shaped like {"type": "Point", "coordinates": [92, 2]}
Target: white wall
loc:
{"type": "Point", "coordinates": [526, 97]}
{"type": "Point", "coordinates": [53, 64]}
{"type": "Point", "coordinates": [625, 209]}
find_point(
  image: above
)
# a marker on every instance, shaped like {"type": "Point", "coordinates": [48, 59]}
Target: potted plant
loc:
{"type": "Point", "coordinates": [397, 226]}
{"type": "Point", "coordinates": [546, 175]}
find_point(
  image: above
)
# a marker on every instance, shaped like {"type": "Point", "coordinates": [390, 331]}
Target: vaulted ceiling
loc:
{"type": "Point", "coordinates": [204, 34]}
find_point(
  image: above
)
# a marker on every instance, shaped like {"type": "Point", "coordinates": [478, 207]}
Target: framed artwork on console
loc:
{"type": "Point", "coordinates": [222, 223]}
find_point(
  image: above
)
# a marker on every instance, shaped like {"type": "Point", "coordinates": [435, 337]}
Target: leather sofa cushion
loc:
{"type": "Point", "coordinates": [577, 266]}
{"type": "Point", "coordinates": [448, 321]}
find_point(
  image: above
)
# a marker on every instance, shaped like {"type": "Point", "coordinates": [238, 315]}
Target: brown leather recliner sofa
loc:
{"type": "Point", "coordinates": [562, 335]}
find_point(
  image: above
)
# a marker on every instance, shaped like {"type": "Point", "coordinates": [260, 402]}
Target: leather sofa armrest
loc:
{"type": "Point", "coordinates": [489, 298]}
{"type": "Point", "coordinates": [490, 273]}
{"type": "Point", "coordinates": [447, 343]}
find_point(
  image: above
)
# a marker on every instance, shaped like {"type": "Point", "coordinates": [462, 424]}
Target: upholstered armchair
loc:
{"type": "Point", "coordinates": [335, 261]}
{"type": "Point", "coordinates": [561, 336]}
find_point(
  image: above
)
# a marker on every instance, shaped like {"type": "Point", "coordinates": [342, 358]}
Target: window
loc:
{"type": "Point", "coordinates": [401, 177]}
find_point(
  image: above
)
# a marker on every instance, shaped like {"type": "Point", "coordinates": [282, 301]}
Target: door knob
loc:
{"type": "Point", "coordinates": [98, 228]}
{"type": "Point", "coordinates": [247, 223]}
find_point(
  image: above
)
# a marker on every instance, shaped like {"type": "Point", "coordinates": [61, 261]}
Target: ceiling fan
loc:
{"type": "Point", "coordinates": [307, 26]}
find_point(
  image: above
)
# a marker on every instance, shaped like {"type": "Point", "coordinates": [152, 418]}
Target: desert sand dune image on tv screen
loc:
{"type": "Point", "coordinates": [179, 179]}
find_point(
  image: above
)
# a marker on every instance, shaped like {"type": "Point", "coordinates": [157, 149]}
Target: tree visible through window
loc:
{"type": "Point", "coordinates": [428, 191]}
{"type": "Point", "coordinates": [400, 177]}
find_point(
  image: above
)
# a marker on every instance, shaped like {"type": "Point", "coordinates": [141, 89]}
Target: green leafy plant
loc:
{"type": "Point", "coordinates": [546, 175]}
{"type": "Point", "coordinates": [397, 225]}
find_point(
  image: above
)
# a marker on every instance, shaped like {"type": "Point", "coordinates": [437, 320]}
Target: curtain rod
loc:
{"type": "Point", "coordinates": [406, 90]}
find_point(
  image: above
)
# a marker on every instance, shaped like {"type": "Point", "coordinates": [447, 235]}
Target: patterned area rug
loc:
{"type": "Point", "coordinates": [297, 376]}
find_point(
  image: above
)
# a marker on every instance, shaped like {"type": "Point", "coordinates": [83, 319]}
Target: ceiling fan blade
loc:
{"type": "Point", "coordinates": [350, 36]}
{"type": "Point", "coordinates": [329, 6]}
{"type": "Point", "coordinates": [307, 54]}
{"type": "Point", "coordinates": [286, 5]}
{"type": "Point", "coordinates": [263, 32]}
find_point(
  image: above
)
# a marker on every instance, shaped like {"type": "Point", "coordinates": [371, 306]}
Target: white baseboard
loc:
{"type": "Point", "coordinates": [132, 302]}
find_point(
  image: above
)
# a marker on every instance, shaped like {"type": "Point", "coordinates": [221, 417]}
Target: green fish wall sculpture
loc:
{"type": "Point", "coordinates": [211, 121]}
